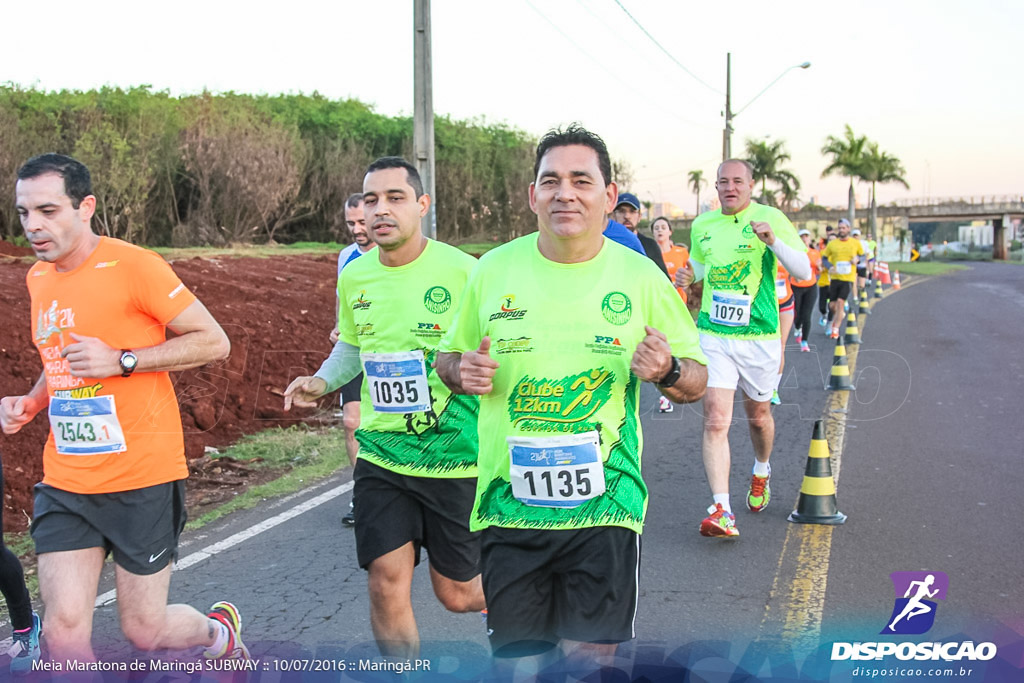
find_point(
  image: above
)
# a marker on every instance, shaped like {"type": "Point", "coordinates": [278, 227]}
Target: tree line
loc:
{"type": "Point", "coordinates": [217, 169]}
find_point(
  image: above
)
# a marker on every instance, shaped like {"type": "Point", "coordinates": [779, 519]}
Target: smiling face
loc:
{"type": "Point", "coordinates": [735, 186]}
{"type": "Point", "coordinates": [569, 195]}
{"type": "Point", "coordinates": [58, 232]}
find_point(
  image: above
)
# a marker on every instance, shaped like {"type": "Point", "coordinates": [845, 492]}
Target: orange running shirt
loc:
{"type": "Point", "coordinates": [782, 289]}
{"type": "Point", "coordinates": [675, 258]}
{"type": "Point", "coordinates": [815, 258]}
{"type": "Point", "coordinates": [116, 433]}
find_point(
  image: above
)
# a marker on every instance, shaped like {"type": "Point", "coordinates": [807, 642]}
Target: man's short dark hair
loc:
{"type": "Point", "coordinates": [354, 200]}
{"type": "Point", "coordinates": [575, 134]}
{"type": "Point", "coordinates": [412, 174]}
{"type": "Point", "coordinates": [77, 182]}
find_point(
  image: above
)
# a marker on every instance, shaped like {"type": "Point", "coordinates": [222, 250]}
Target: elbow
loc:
{"type": "Point", "coordinates": [222, 347]}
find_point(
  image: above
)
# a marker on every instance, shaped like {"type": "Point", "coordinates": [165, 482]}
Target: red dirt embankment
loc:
{"type": "Point", "coordinates": [278, 313]}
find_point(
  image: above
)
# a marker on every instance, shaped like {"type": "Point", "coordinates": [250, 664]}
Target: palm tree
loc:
{"type": "Point", "coordinates": [847, 157]}
{"type": "Point", "coordinates": [767, 158]}
{"type": "Point", "coordinates": [880, 167]}
{"type": "Point", "coordinates": [696, 179]}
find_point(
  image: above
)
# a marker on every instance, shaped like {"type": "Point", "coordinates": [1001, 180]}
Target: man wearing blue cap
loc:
{"type": "Point", "coordinates": [627, 212]}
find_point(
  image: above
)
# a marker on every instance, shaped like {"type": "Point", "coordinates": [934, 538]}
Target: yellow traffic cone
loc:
{"type": "Point", "coordinates": [896, 280]}
{"type": "Point", "coordinates": [865, 307]}
{"type": "Point", "coordinates": [840, 378]}
{"type": "Point", "coordinates": [878, 288]}
{"type": "Point", "coordinates": [852, 331]}
{"type": "Point", "coordinates": [817, 502]}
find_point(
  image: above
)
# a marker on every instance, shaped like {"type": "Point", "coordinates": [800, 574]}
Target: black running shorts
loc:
{"type": "Point", "coordinates": [393, 509]}
{"type": "Point", "coordinates": [140, 527]}
{"type": "Point", "coordinates": [350, 390]}
{"type": "Point", "coordinates": [862, 271]}
{"type": "Point", "coordinates": [544, 586]}
{"type": "Point", "coordinates": [839, 289]}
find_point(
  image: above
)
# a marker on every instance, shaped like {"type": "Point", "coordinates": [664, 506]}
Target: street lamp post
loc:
{"type": "Point", "coordinates": [729, 114]}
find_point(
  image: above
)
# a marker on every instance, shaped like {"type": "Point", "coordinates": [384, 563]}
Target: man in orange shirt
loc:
{"type": "Point", "coordinates": [114, 462]}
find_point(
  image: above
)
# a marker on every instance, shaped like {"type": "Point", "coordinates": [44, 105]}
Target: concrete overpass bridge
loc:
{"type": "Point", "coordinates": [894, 219]}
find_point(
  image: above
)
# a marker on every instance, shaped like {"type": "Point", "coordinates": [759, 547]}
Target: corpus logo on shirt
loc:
{"type": "Point", "coordinates": [508, 309]}
{"type": "Point", "coordinates": [361, 302]}
{"type": "Point", "coordinates": [437, 300]}
{"type": "Point", "coordinates": [914, 612]}
{"type": "Point", "coordinates": [617, 308]}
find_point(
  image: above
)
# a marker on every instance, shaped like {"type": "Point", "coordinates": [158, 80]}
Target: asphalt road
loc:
{"type": "Point", "coordinates": [930, 477]}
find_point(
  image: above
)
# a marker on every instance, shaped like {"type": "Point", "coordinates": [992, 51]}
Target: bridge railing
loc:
{"type": "Point", "coordinates": [984, 200]}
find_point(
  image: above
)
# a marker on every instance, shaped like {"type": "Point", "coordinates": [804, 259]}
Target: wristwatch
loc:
{"type": "Point", "coordinates": [128, 362]}
{"type": "Point", "coordinates": [672, 376]}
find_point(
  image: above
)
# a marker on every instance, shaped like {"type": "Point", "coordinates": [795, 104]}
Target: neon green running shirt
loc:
{"type": "Point", "coordinates": [737, 262]}
{"type": "Point", "coordinates": [388, 310]}
{"type": "Point", "coordinates": [564, 336]}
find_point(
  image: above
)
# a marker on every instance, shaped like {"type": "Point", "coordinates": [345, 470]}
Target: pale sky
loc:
{"type": "Point", "coordinates": [935, 83]}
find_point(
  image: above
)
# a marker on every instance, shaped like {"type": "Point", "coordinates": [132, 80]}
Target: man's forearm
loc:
{"type": "Point", "coordinates": [691, 385]}
{"type": "Point", "coordinates": [189, 350]}
{"type": "Point", "coordinates": [341, 367]}
{"type": "Point", "coordinates": [448, 365]}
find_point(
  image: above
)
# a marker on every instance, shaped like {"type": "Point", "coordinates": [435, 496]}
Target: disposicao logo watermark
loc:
{"type": "Point", "coordinates": [913, 613]}
{"type": "Point", "coordinates": [914, 610]}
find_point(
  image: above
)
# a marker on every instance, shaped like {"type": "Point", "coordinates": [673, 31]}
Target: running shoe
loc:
{"type": "Point", "coordinates": [350, 517]}
{"type": "Point", "coordinates": [227, 614]}
{"type": "Point", "coordinates": [796, 333]}
{"type": "Point", "coordinates": [798, 337]}
{"type": "Point", "coordinates": [776, 401]}
{"type": "Point", "coordinates": [719, 522]}
{"type": "Point", "coordinates": [823, 321]}
{"type": "Point", "coordinates": [665, 405]}
{"type": "Point", "coordinates": [760, 493]}
{"type": "Point", "coordinates": [25, 647]}
{"type": "Point", "coordinates": [835, 334]}
{"type": "Point", "coordinates": [846, 307]}
{"type": "Point", "coordinates": [804, 347]}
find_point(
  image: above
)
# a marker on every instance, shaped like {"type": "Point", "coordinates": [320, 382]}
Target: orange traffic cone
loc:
{"type": "Point", "coordinates": [896, 280]}
{"type": "Point", "coordinates": [840, 378]}
{"type": "Point", "coordinates": [852, 331]}
{"type": "Point", "coordinates": [817, 502]}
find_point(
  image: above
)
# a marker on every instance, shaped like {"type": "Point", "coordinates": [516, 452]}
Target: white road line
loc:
{"type": "Point", "coordinates": [244, 535]}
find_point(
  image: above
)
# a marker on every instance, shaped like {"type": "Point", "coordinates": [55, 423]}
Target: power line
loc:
{"type": "Point", "coordinates": [618, 78]}
{"type": "Point", "coordinates": [667, 53]}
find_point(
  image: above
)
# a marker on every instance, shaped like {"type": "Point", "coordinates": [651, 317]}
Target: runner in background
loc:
{"type": "Point", "coordinates": [842, 255]}
{"type": "Point", "coordinates": [361, 244]}
{"type": "Point", "coordinates": [787, 308]}
{"type": "Point", "coordinates": [863, 265]}
{"type": "Point", "coordinates": [824, 285]}
{"type": "Point", "coordinates": [804, 293]}
{"type": "Point", "coordinates": [628, 214]}
{"type": "Point", "coordinates": [114, 464]}
{"type": "Point", "coordinates": [25, 624]}
{"type": "Point", "coordinates": [676, 256]}
{"type": "Point", "coordinates": [735, 250]}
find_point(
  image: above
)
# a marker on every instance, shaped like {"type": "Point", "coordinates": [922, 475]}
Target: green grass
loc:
{"type": "Point", "coordinates": [249, 250]}
{"type": "Point", "coordinates": [306, 455]}
{"type": "Point", "coordinates": [924, 267]}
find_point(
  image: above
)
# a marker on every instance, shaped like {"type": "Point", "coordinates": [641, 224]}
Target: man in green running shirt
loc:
{"type": "Point", "coordinates": [556, 331]}
{"type": "Point", "coordinates": [416, 472]}
{"type": "Point", "coordinates": [735, 249]}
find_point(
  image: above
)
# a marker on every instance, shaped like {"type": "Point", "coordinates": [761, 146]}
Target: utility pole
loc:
{"type": "Point", "coordinates": [727, 133]}
{"type": "Point", "coordinates": [423, 111]}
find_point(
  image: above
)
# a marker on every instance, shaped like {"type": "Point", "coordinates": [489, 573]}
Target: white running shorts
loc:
{"type": "Point", "coordinates": [750, 364]}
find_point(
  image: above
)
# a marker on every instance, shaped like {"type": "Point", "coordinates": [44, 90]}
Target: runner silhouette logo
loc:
{"type": "Point", "coordinates": [914, 609]}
